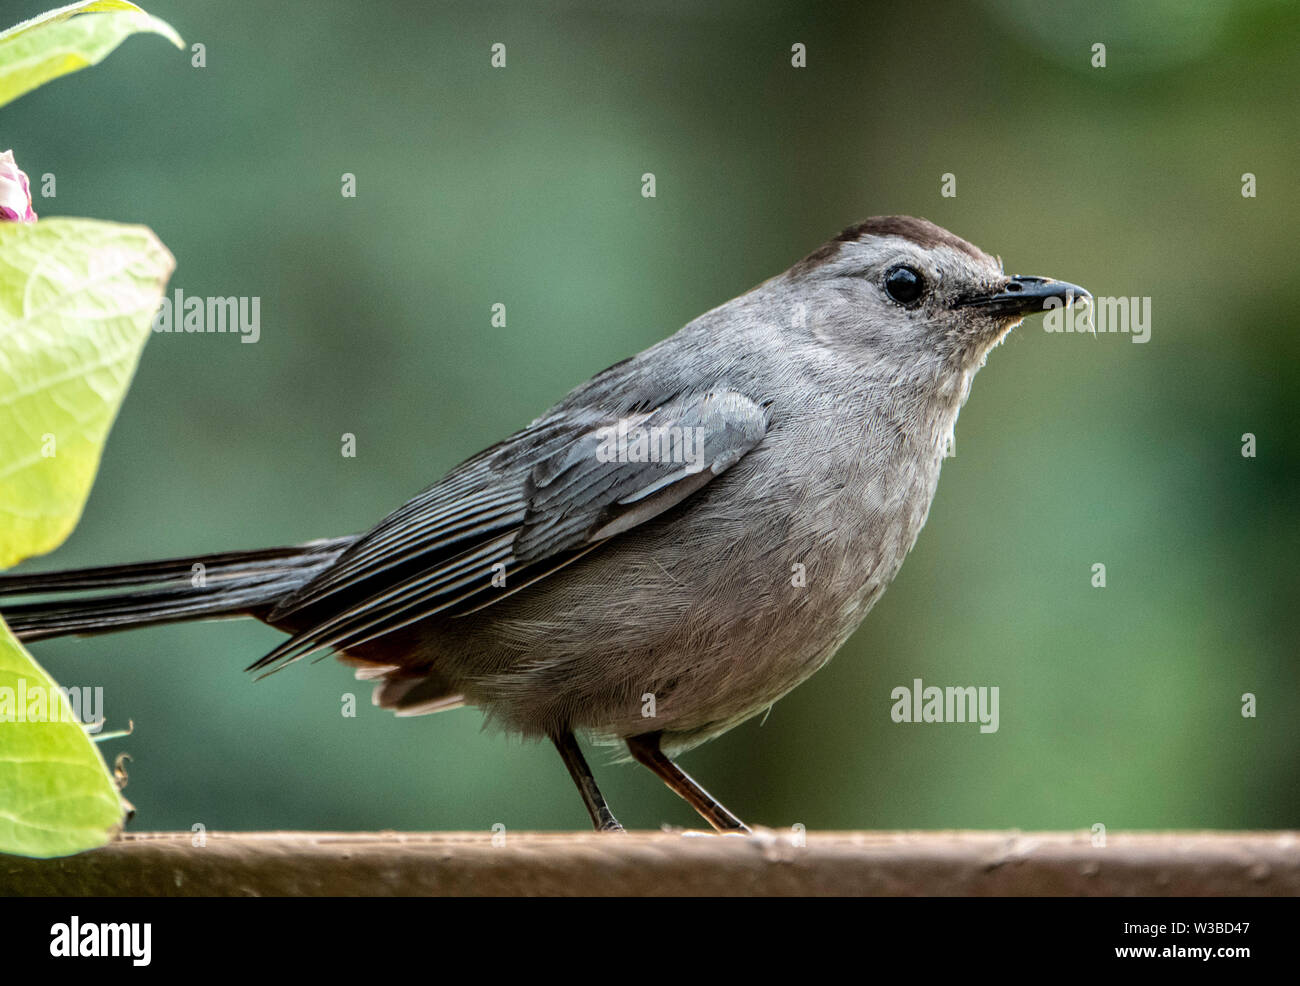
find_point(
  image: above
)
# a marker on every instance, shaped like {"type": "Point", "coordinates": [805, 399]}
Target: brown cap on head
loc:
{"type": "Point", "coordinates": [922, 232]}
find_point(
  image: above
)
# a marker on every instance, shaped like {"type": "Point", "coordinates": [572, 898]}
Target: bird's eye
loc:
{"type": "Point", "coordinates": [904, 284]}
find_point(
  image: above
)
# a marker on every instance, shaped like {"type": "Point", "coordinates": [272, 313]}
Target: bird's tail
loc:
{"type": "Point", "coordinates": [121, 597]}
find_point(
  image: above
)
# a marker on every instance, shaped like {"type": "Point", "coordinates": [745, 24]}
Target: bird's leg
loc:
{"type": "Point", "coordinates": [645, 748]}
{"type": "Point", "coordinates": [601, 817]}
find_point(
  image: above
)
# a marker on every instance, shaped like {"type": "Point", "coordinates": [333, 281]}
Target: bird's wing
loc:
{"type": "Point", "coordinates": [518, 512]}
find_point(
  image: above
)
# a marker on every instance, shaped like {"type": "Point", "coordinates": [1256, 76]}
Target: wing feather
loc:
{"type": "Point", "coordinates": [522, 510]}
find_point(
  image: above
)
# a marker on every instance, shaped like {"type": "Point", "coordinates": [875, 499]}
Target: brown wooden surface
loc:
{"type": "Point", "coordinates": [770, 862]}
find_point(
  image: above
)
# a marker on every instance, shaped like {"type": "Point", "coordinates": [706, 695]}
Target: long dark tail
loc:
{"type": "Point", "coordinates": [121, 597]}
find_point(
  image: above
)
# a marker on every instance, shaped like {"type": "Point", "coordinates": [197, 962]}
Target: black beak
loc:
{"type": "Point", "coordinates": [1023, 296]}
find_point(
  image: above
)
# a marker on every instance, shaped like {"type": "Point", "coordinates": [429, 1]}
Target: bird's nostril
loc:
{"type": "Point", "coordinates": [1013, 286]}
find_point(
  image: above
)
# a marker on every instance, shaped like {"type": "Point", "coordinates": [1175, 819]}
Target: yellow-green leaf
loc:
{"type": "Point", "coordinates": [77, 297]}
{"type": "Point", "coordinates": [67, 39]}
{"type": "Point", "coordinates": [56, 795]}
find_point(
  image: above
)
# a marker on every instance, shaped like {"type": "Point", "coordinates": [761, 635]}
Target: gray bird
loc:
{"type": "Point", "coordinates": [673, 547]}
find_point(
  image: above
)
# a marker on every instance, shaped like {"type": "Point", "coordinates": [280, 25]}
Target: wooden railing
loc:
{"type": "Point", "coordinates": [769, 862]}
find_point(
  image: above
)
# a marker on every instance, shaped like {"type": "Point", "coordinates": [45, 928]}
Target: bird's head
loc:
{"type": "Point", "coordinates": [903, 293]}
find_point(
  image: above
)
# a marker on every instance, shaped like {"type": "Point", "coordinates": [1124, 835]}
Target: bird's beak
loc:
{"type": "Point", "coordinates": [1023, 296]}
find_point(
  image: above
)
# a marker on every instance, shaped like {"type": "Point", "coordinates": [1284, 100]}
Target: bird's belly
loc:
{"type": "Point", "coordinates": [685, 628]}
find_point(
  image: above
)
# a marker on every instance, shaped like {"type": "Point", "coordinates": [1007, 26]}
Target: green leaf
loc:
{"type": "Point", "coordinates": [77, 297]}
{"type": "Point", "coordinates": [67, 39]}
{"type": "Point", "coordinates": [56, 795]}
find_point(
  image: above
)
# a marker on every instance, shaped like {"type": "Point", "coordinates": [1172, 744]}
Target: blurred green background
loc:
{"type": "Point", "coordinates": [522, 186]}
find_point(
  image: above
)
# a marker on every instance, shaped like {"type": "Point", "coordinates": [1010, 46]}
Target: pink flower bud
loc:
{"type": "Point", "coordinates": [15, 192]}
